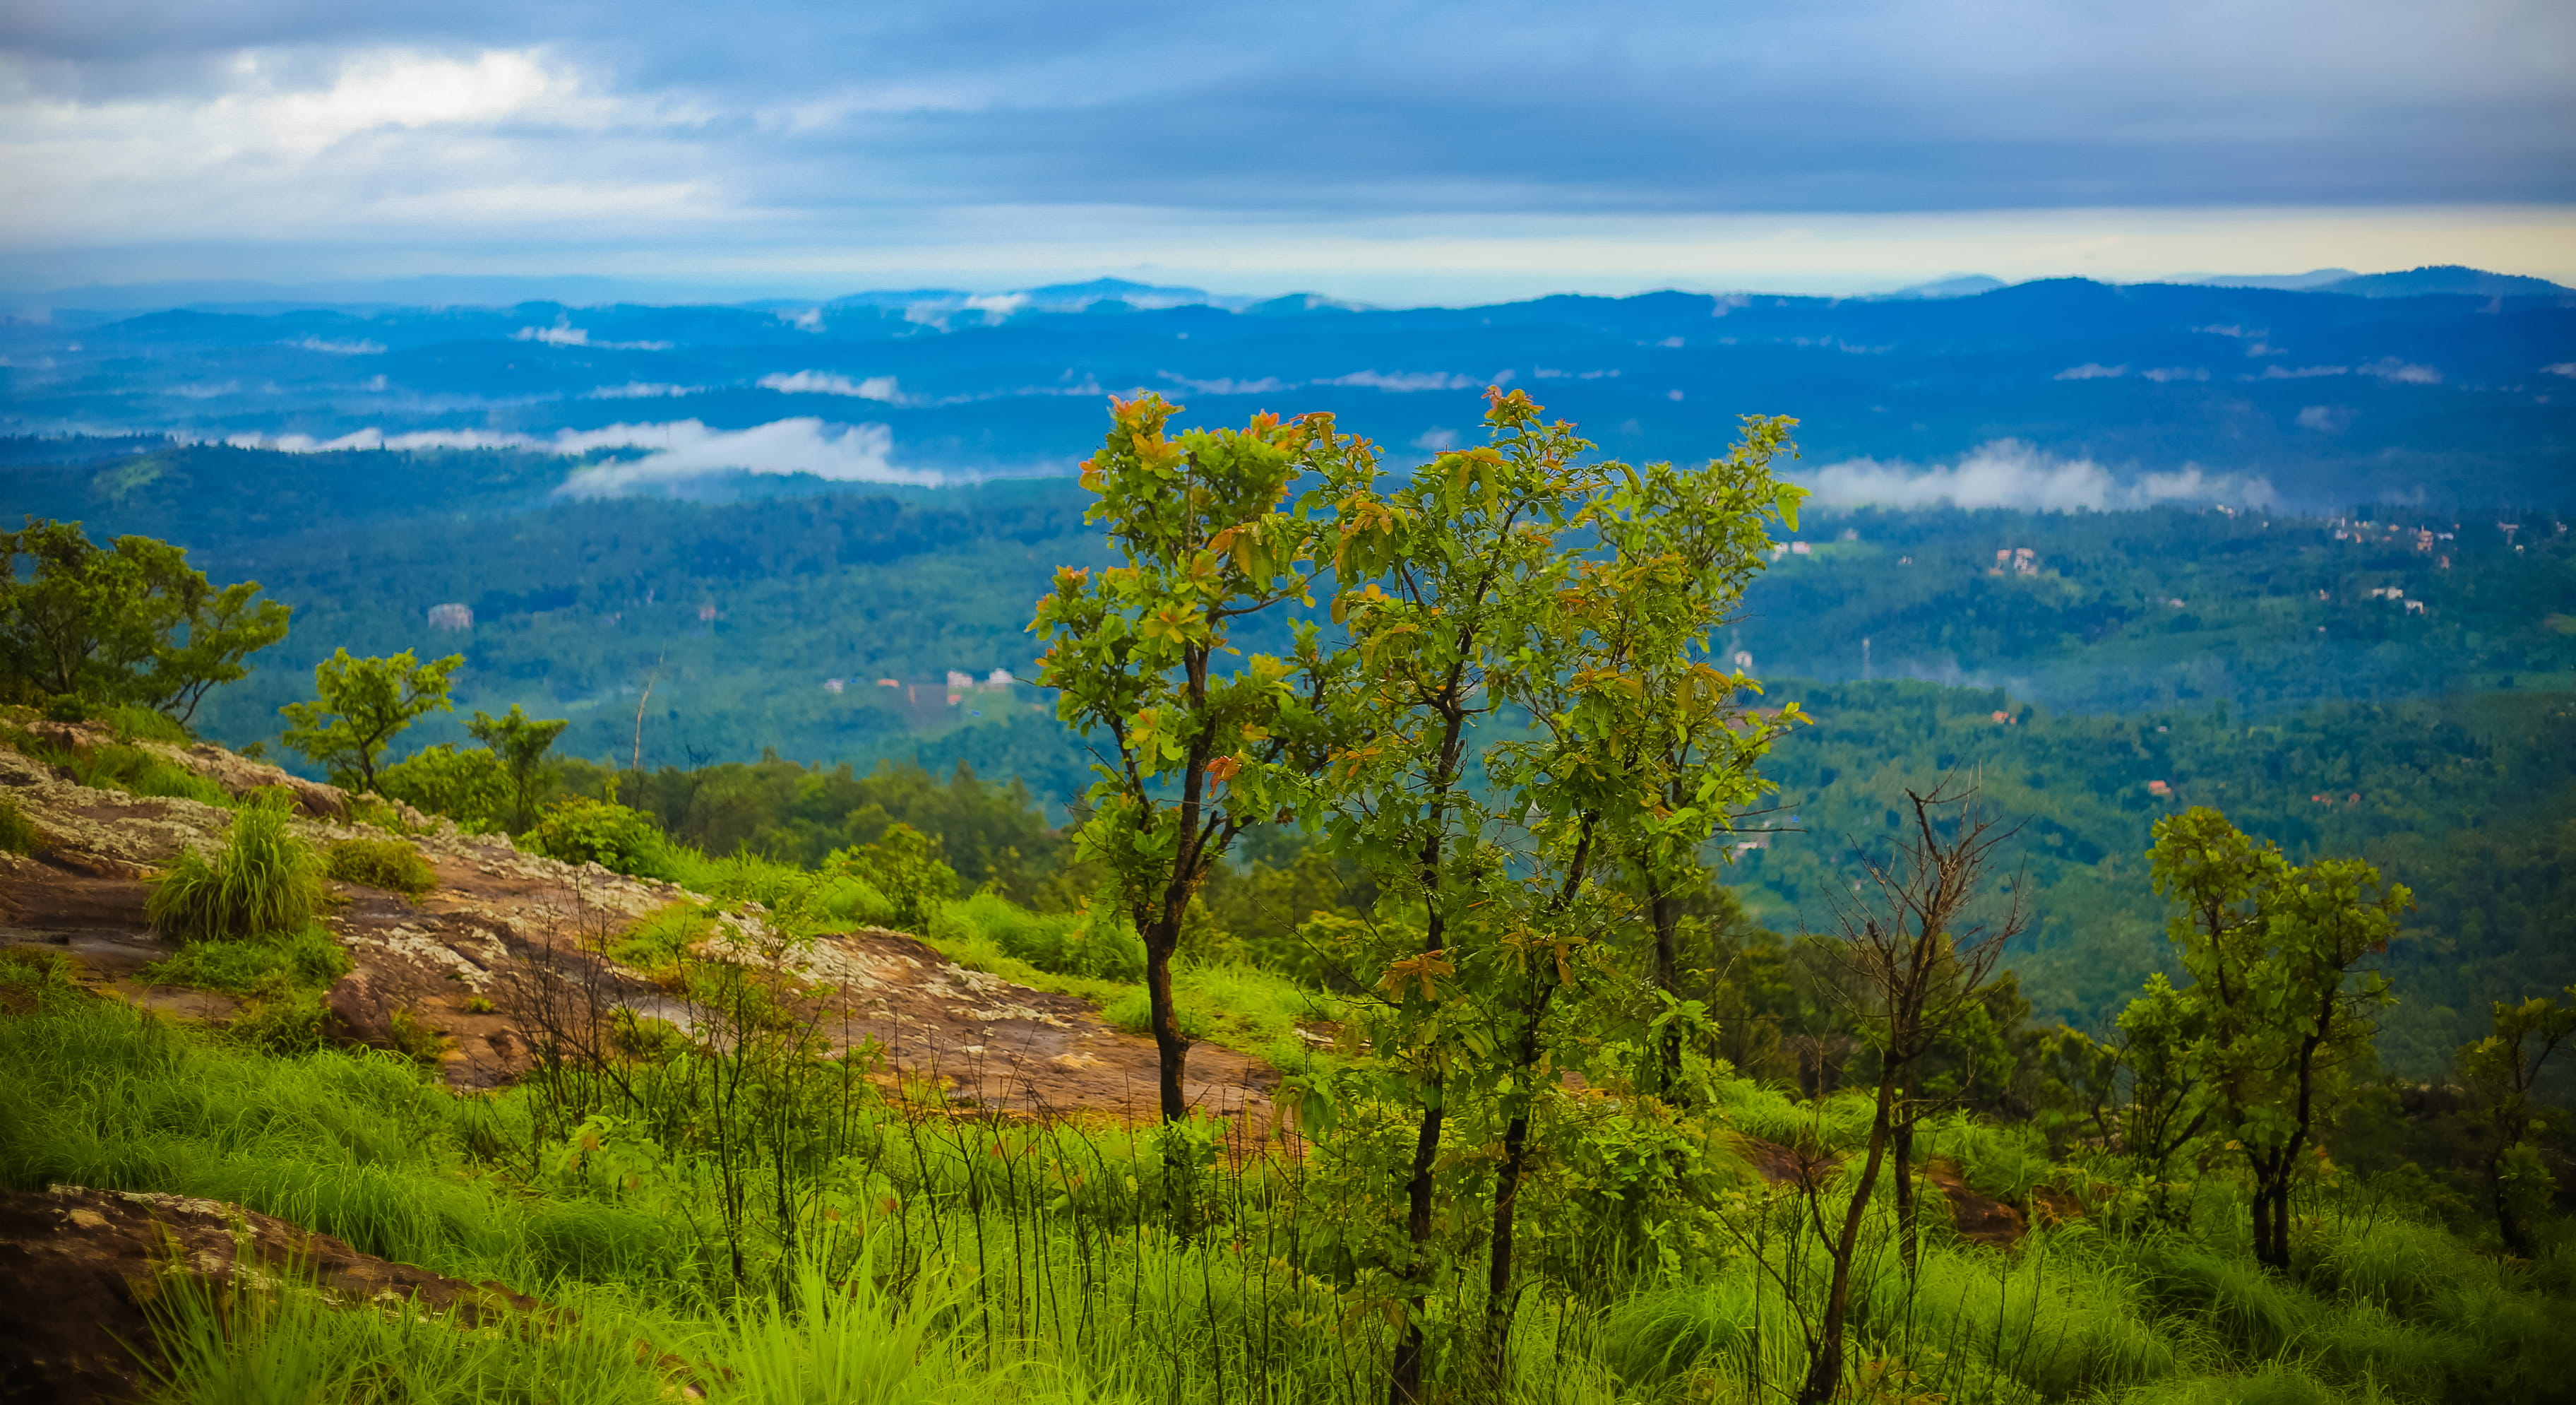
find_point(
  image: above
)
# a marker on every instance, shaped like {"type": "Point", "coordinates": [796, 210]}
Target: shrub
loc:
{"type": "Point", "coordinates": [904, 865]}
{"type": "Point", "coordinates": [390, 864]}
{"type": "Point", "coordinates": [469, 787]}
{"type": "Point", "coordinates": [265, 880]}
{"type": "Point", "coordinates": [607, 834]}
{"type": "Point", "coordinates": [287, 1021]}
{"type": "Point", "coordinates": [18, 834]}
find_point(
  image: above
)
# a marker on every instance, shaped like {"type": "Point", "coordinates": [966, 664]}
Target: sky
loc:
{"type": "Point", "coordinates": [1385, 151]}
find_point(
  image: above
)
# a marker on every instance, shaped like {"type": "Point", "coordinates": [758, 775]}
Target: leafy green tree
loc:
{"type": "Point", "coordinates": [2272, 951]}
{"type": "Point", "coordinates": [519, 742]}
{"type": "Point", "coordinates": [364, 705]}
{"type": "Point", "coordinates": [1562, 605]}
{"type": "Point", "coordinates": [1190, 754]}
{"type": "Point", "coordinates": [904, 864]}
{"type": "Point", "coordinates": [2163, 1113]}
{"type": "Point", "coordinates": [2500, 1072]}
{"type": "Point", "coordinates": [130, 623]}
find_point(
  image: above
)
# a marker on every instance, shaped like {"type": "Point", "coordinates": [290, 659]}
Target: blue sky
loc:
{"type": "Point", "coordinates": [1385, 151]}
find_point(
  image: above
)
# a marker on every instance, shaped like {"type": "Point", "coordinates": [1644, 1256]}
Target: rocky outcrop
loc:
{"type": "Point", "coordinates": [82, 1270]}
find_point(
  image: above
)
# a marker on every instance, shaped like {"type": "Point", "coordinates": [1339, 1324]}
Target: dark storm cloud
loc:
{"type": "Point", "coordinates": [1337, 109]}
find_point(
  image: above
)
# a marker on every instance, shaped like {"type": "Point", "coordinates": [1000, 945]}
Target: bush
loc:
{"type": "Point", "coordinates": [285, 1022]}
{"type": "Point", "coordinates": [469, 787]}
{"type": "Point", "coordinates": [18, 834]}
{"type": "Point", "coordinates": [607, 834]}
{"type": "Point", "coordinates": [265, 880]}
{"type": "Point", "coordinates": [904, 865]}
{"type": "Point", "coordinates": [390, 864]}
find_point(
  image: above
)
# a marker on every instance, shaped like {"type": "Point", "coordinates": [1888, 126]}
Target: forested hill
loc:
{"type": "Point", "coordinates": [2321, 398]}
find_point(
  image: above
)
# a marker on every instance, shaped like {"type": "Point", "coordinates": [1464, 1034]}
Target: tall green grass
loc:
{"type": "Point", "coordinates": [265, 879]}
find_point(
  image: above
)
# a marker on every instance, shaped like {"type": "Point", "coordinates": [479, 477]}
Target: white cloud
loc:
{"type": "Point", "coordinates": [1267, 385]}
{"type": "Point", "coordinates": [2009, 473]}
{"type": "Point", "coordinates": [1437, 441]}
{"type": "Point", "coordinates": [2389, 368]}
{"type": "Point", "coordinates": [2285, 373]}
{"type": "Point", "coordinates": [825, 383]}
{"type": "Point", "coordinates": [340, 348]}
{"type": "Point", "coordinates": [2091, 371]}
{"type": "Point", "coordinates": [564, 334]}
{"type": "Point", "coordinates": [2162, 374]}
{"type": "Point", "coordinates": [2328, 418]}
{"type": "Point", "coordinates": [642, 390]}
{"type": "Point", "coordinates": [2560, 368]}
{"type": "Point", "coordinates": [858, 453]}
{"type": "Point", "coordinates": [1403, 380]}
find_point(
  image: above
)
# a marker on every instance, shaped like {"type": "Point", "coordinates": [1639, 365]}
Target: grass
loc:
{"type": "Point", "coordinates": [390, 864]}
{"type": "Point", "coordinates": [264, 880]}
{"type": "Point", "coordinates": [19, 834]}
{"type": "Point", "coordinates": [307, 956]}
{"type": "Point", "coordinates": [974, 1260]}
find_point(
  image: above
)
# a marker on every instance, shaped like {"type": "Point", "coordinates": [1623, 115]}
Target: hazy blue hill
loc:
{"type": "Point", "coordinates": [2445, 278]}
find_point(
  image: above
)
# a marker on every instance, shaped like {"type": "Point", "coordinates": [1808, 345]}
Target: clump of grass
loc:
{"type": "Point", "coordinates": [18, 834]}
{"type": "Point", "coordinates": [389, 864]}
{"type": "Point", "coordinates": [1134, 1013]}
{"type": "Point", "coordinates": [1071, 944]}
{"type": "Point", "coordinates": [285, 1019]}
{"type": "Point", "coordinates": [139, 772]}
{"type": "Point", "coordinates": [307, 956]}
{"type": "Point", "coordinates": [265, 880]}
{"type": "Point", "coordinates": [132, 722]}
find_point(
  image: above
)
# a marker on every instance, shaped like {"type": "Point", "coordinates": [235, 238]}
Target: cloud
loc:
{"type": "Point", "coordinates": [859, 453]}
{"type": "Point", "coordinates": [1267, 385]}
{"type": "Point", "coordinates": [641, 390]}
{"type": "Point", "coordinates": [1437, 441]}
{"type": "Point", "coordinates": [2328, 419]}
{"type": "Point", "coordinates": [340, 348]}
{"type": "Point", "coordinates": [562, 334]}
{"type": "Point", "coordinates": [2162, 374]}
{"type": "Point", "coordinates": [682, 449]}
{"type": "Point", "coordinates": [2009, 473]}
{"type": "Point", "coordinates": [1403, 380]}
{"type": "Point", "coordinates": [825, 383]}
{"type": "Point", "coordinates": [2091, 371]}
{"type": "Point", "coordinates": [2389, 368]}
{"type": "Point", "coordinates": [2285, 373]}
{"type": "Point", "coordinates": [2559, 368]}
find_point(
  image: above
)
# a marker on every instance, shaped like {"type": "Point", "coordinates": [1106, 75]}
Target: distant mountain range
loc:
{"type": "Point", "coordinates": [2439, 383]}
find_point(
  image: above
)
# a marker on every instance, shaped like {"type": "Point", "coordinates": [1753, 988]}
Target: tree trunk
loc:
{"type": "Point", "coordinates": [1825, 1355]}
{"type": "Point", "coordinates": [2509, 1227]}
{"type": "Point", "coordinates": [1173, 1050]}
{"type": "Point", "coordinates": [1404, 1378]}
{"type": "Point", "coordinates": [1498, 1268]}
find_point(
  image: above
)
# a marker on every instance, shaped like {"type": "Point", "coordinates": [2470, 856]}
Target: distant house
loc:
{"type": "Point", "coordinates": [834, 685]}
{"type": "Point", "coordinates": [2158, 788]}
{"type": "Point", "coordinates": [959, 680]}
{"type": "Point", "coordinates": [451, 617]}
{"type": "Point", "coordinates": [1801, 549]}
{"type": "Point", "coordinates": [999, 678]}
{"type": "Point", "coordinates": [707, 614]}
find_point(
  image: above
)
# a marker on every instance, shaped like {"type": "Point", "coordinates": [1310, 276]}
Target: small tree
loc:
{"type": "Point", "coordinates": [2499, 1073]}
{"type": "Point", "coordinates": [130, 623]}
{"type": "Point", "coordinates": [2272, 951]}
{"type": "Point", "coordinates": [520, 742]}
{"type": "Point", "coordinates": [365, 704]}
{"type": "Point", "coordinates": [1190, 755]}
{"type": "Point", "coordinates": [1915, 959]}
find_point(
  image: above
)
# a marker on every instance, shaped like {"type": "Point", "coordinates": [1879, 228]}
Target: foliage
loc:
{"type": "Point", "coordinates": [128, 624]}
{"type": "Point", "coordinates": [903, 865]}
{"type": "Point", "coordinates": [391, 864]}
{"type": "Point", "coordinates": [1073, 944]}
{"type": "Point", "coordinates": [265, 879]}
{"type": "Point", "coordinates": [1191, 756]}
{"type": "Point", "coordinates": [608, 834]}
{"type": "Point", "coordinates": [467, 786]}
{"type": "Point", "coordinates": [518, 743]}
{"type": "Point", "coordinates": [2271, 949]}
{"type": "Point", "coordinates": [2500, 1073]}
{"type": "Point", "coordinates": [364, 705]}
